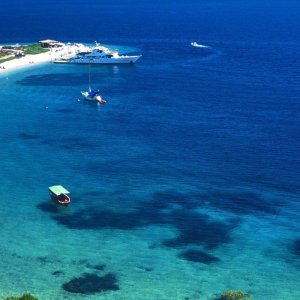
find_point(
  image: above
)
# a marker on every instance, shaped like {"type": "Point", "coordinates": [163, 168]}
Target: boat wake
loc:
{"type": "Point", "coordinates": [195, 44]}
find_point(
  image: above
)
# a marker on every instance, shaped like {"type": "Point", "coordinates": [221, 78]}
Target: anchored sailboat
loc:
{"type": "Point", "coordinates": [92, 95]}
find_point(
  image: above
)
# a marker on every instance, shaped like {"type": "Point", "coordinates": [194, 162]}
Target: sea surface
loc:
{"type": "Point", "coordinates": [185, 184]}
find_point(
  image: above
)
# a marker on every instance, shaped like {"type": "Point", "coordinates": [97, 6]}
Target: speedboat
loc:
{"type": "Point", "coordinates": [103, 55]}
{"type": "Point", "coordinates": [195, 44]}
{"type": "Point", "coordinates": [94, 96]}
{"type": "Point", "coordinates": [59, 195]}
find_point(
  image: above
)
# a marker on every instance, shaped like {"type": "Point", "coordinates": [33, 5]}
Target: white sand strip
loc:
{"type": "Point", "coordinates": [30, 60]}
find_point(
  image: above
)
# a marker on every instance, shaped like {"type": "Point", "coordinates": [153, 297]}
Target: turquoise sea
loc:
{"type": "Point", "coordinates": [185, 184]}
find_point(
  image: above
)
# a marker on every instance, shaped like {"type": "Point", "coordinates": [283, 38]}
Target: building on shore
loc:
{"type": "Point", "coordinates": [51, 44]}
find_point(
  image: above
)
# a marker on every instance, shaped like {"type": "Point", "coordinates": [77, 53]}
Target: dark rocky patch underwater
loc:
{"type": "Point", "coordinates": [89, 284]}
{"type": "Point", "coordinates": [198, 256]}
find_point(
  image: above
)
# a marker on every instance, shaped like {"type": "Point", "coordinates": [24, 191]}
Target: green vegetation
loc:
{"type": "Point", "coordinates": [34, 49]}
{"type": "Point", "coordinates": [8, 47]}
{"type": "Point", "coordinates": [23, 297]}
{"type": "Point", "coordinates": [234, 295]}
{"type": "Point", "coordinates": [28, 49]}
{"type": "Point", "coordinates": [5, 57]}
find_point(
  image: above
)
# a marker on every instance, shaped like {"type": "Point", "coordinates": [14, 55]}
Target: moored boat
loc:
{"type": "Point", "coordinates": [60, 195]}
{"type": "Point", "coordinates": [94, 96]}
{"type": "Point", "coordinates": [61, 60]}
{"type": "Point", "coordinates": [103, 55]}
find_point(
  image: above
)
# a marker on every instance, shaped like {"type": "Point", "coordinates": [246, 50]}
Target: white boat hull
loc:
{"type": "Point", "coordinates": [61, 61]}
{"type": "Point", "coordinates": [96, 98]}
{"type": "Point", "coordinates": [105, 60]}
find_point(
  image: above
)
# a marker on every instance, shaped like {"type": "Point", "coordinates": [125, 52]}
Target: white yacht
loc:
{"type": "Point", "coordinates": [102, 55]}
{"type": "Point", "coordinates": [82, 49]}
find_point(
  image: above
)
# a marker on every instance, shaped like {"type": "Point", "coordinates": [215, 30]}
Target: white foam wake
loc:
{"type": "Point", "coordinates": [195, 44]}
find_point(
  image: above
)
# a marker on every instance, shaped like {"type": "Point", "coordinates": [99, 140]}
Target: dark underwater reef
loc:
{"type": "Point", "coordinates": [198, 234]}
{"type": "Point", "coordinates": [175, 209]}
{"type": "Point", "coordinates": [199, 256]}
{"type": "Point", "coordinates": [193, 228]}
{"type": "Point", "coordinates": [91, 284]}
{"type": "Point", "coordinates": [296, 247]}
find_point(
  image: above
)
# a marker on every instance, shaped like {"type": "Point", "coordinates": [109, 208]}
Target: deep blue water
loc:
{"type": "Point", "coordinates": [186, 183]}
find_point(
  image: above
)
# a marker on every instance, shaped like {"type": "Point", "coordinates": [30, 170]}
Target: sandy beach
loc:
{"type": "Point", "coordinates": [33, 59]}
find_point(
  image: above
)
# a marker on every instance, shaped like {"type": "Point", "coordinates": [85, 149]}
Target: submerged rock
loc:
{"type": "Point", "coordinates": [199, 256]}
{"type": "Point", "coordinates": [296, 247]}
{"type": "Point", "coordinates": [98, 267]}
{"type": "Point", "coordinates": [91, 284]}
{"type": "Point", "coordinates": [58, 273]}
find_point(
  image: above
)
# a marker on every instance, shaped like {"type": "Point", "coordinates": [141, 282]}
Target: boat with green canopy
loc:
{"type": "Point", "coordinates": [60, 195]}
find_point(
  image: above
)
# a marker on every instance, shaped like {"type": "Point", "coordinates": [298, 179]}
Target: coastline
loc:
{"type": "Point", "coordinates": [26, 61]}
{"type": "Point", "coordinates": [33, 59]}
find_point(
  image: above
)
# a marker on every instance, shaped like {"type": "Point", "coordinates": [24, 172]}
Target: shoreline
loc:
{"type": "Point", "coordinates": [33, 59]}
{"type": "Point", "coordinates": [26, 61]}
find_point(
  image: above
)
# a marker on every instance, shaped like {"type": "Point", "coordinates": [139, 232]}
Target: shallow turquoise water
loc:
{"type": "Point", "coordinates": [174, 162]}
{"type": "Point", "coordinates": [185, 184]}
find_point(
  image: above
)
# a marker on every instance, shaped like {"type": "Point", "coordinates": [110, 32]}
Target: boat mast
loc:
{"type": "Point", "coordinates": [90, 88]}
